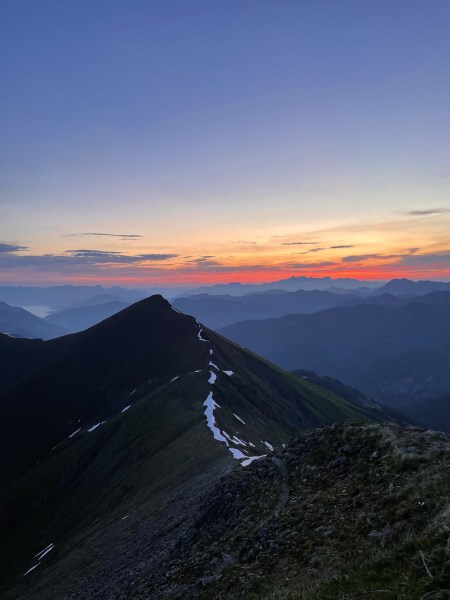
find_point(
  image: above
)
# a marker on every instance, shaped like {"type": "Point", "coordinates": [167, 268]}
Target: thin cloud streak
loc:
{"type": "Point", "coordinates": [123, 236]}
{"type": "Point", "coordinates": [299, 243]}
{"type": "Point", "coordinates": [427, 212]}
{"type": "Point", "coordinates": [7, 248]}
{"type": "Point", "coordinates": [77, 258]}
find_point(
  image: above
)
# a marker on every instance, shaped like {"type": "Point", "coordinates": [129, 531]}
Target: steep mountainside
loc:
{"type": "Point", "coordinates": [218, 311]}
{"type": "Point", "coordinates": [18, 322]}
{"type": "Point", "coordinates": [134, 416]}
{"type": "Point", "coordinates": [395, 354]}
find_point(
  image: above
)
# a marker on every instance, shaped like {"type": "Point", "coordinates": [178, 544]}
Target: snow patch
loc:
{"type": "Point", "coordinates": [211, 352]}
{"type": "Point", "coordinates": [95, 426]}
{"type": "Point", "coordinates": [199, 335]}
{"type": "Point", "coordinates": [212, 377]}
{"type": "Point", "coordinates": [126, 408]}
{"type": "Point", "coordinates": [177, 311]}
{"type": "Point", "coordinates": [174, 379]}
{"type": "Point", "coordinates": [214, 366]}
{"type": "Point", "coordinates": [40, 555]}
{"type": "Point", "coordinates": [75, 432]}
{"type": "Point", "coordinates": [238, 441]}
{"type": "Point", "coordinates": [229, 373]}
{"type": "Point", "coordinates": [133, 392]}
{"type": "Point", "coordinates": [45, 551]}
{"type": "Point", "coordinates": [32, 569]}
{"type": "Point", "coordinates": [223, 436]}
{"type": "Point", "coordinates": [268, 446]}
{"type": "Point", "coordinates": [237, 454]}
{"type": "Point", "coordinates": [210, 405]}
{"type": "Point", "coordinates": [250, 459]}
{"type": "Point", "coordinates": [236, 417]}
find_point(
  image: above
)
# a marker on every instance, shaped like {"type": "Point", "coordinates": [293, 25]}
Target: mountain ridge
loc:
{"type": "Point", "coordinates": [124, 416]}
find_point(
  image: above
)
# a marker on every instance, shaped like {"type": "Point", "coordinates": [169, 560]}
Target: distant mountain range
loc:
{"type": "Point", "coordinates": [218, 311]}
{"type": "Point", "coordinates": [121, 420]}
{"type": "Point", "coordinates": [406, 286]}
{"type": "Point", "coordinates": [18, 322]}
{"type": "Point", "coordinates": [62, 295]}
{"type": "Point", "coordinates": [291, 284]}
{"type": "Point", "coordinates": [84, 316]}
{"type": "Point", "coordinates": [395, 351]}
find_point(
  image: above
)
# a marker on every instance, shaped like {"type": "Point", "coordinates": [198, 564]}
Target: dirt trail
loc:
{"type": "Point", "coordinates": [229, 560]}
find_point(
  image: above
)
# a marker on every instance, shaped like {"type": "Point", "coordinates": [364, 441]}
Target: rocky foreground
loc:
{"type": "Point", "coordinates": [346, 512]}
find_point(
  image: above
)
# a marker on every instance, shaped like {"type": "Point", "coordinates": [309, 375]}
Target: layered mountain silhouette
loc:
{"type": "Point", "coordinates": [62, 295]}
{"type": "Point", "coordinates": [394, 350]}
{"type": "Point", "coordinates": [404, 286]}
{"type": "Point", "coordinates": [18, 322]}
{"type": "Point", "coordinates": [218, 311]}
{"type": "Point", "coordinates": [82, 317]}
{"type": "Point", "coordinates": [126, 420]}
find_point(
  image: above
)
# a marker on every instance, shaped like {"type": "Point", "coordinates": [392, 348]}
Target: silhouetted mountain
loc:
{"type": "Point", "coordinates": [291, 284]}
{"type": "Point", "coordinates": [18, 322]}
{"type": "Point", "coordinates": [395, 354]}
{"type": "Point", "coordinates": [218, 311]}
{"type": "Point", "coordinates": [360, 291]}
{"type": "Point", "coordinates": [100, 299]}
{"type": "Point", "coordinates": [397, 301]}
{"type": "Point", "coordinates": [77, 319]}
{"type": "Point", "coordinates": [399, 287]}
{"type": "Point", "coordinates": [138, 412]}
{"type": "Point", "coordinates": [61, 295]}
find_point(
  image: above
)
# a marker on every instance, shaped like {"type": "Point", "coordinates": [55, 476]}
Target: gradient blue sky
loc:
{"type": "Point", "coordinates": [211, 128]}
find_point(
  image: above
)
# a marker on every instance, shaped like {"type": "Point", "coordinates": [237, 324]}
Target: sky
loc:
{"type": "Point", "coordinates": [168, 142]}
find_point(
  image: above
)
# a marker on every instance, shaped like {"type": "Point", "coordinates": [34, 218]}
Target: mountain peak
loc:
{"type": "Point", "coordinates": [155, 302]}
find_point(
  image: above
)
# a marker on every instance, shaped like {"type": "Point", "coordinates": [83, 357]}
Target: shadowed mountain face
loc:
{"type": "Point", "coordinates": [397, 354]}
{"type": "Point", "coordinates": [126, 418]}
{"type": "Point", "coordinates": [18, 322]}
